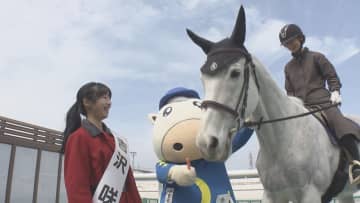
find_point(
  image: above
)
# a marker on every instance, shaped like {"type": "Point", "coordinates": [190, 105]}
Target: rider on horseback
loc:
{"type": "Point", "coordinates": [305, 77]}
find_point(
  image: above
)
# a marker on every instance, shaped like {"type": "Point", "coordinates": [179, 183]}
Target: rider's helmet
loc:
{"type": "Point", "coordinates": [289, 32]}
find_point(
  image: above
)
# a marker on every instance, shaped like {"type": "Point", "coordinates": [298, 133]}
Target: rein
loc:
{"type": "Point", "coordinates": [249, 65]}
{"type": "Point", "coordinates": [260, 121]}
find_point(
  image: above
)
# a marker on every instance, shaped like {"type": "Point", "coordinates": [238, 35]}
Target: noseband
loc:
{"type": "Point", "coordinates": [238, 113]}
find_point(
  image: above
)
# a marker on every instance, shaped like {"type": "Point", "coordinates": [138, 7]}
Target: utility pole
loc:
{"type": "Point", "coordinates": [251, 162]}
{"type": "Point", "coordinates": [133, 154]}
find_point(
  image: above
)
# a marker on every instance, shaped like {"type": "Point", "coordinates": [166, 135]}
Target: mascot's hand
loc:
{"type": "Point", "coordinates": [335, 97]}
{"type": "Point", "coordinates": [182, 175]}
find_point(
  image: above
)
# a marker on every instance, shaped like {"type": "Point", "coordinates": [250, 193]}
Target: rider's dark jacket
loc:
{"type": "Point", "coordinates": [305, 77]}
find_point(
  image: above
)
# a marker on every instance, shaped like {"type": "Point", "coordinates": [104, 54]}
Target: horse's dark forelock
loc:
{"type": "Point", "coordinates": [223, 58]}
{"type": "Point", "coordinates": [222, 61]}
{"type": "Point", "coordinates": [219, 57]}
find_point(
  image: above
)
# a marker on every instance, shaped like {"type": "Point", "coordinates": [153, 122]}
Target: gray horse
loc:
{"type": "Point", "coordinates": [296, 160]}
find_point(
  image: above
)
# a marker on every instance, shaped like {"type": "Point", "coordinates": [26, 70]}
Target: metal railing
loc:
{"type": "Point", "coordinates": [19, 134]}
{"type": "Point", "coordinates": [234, 174]}
{"type": "Point", "coordinates": [15, 136]}
{"type": "Point", "coordinates": [356, 198]}
{"type": "Point", "coordinates": [147, 200]}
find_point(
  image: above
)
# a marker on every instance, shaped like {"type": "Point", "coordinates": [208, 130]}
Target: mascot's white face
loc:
{"type": "Point", "coordinates": [176, 126]}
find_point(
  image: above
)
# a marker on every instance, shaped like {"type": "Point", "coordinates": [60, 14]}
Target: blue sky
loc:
{"type": "Point", "coordinates": [140, 49]}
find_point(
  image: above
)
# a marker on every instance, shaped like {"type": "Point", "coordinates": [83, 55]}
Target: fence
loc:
{"type": "Point", "coordinates": [357, 199]}
{"type": "Point", "coordinates": [31, 167]}
{"type": "Point", "coordinates": [35, 166]}
{"type": "Point", "coordinates": [34, 163]}
{"type": "Point", "coordinates": [244, 182]}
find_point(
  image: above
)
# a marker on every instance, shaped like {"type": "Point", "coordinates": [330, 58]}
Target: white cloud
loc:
{"type": "Point", "coordinates": [337, 49]}
{"type": "Point", "coordinates": [50, 48]}
{"type": "Point", "coordinates": [189, 4]}
{"type": "Point", "coordinates": [264, 42]}
{"type": "Point", "coordinates": [193, 4]}
{"type": "Point", "coordinates": [216, 34]}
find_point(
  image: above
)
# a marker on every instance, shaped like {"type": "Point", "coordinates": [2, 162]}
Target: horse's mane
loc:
{"type": "Point", "coordinates": [296, 100]}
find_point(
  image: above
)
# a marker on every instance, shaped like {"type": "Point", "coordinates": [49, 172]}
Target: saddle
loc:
{"type": "Point", "coordinates": [320, 116]}
{"type": "Point", "coordinates": [341, 175]}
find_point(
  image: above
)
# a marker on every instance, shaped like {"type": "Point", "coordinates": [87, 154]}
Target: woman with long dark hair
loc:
{"type": "Point", "coordinates": [96, 165]}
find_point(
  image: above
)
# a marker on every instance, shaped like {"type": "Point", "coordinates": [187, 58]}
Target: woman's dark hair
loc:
{"type": "Point", "coordinates": [90, 91]}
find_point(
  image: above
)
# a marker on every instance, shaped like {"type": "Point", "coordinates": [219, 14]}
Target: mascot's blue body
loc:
{"type": "Point", "coordinates": [175, 129]}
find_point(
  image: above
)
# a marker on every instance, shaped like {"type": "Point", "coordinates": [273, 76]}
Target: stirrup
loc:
{"type": "Point", "coordinates": [351, 178]}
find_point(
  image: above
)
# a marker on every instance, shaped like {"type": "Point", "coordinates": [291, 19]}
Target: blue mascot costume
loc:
{"type": "Point", "coordinates": [186, 177]}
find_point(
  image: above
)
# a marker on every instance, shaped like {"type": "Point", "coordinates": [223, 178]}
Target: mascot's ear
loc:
{"type": "Point", "coordinates": [152, 117]}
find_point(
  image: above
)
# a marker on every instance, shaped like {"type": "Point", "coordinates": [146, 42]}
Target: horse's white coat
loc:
{"type": "Point", "coordinates": [296, 161]}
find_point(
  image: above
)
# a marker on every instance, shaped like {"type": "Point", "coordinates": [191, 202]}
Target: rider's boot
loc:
{"type": "Point", "coordinates": [349, 142]}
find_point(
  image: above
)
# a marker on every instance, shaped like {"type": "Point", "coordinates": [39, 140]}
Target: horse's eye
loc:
{"type": "Point", "coordinates": [235, 74]}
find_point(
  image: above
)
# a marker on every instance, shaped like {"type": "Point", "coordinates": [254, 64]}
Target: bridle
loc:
{"type": "Point", "coordinates": [238, 112]}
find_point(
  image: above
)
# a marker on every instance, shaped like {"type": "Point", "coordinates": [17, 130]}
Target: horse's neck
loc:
{"type": "Point", "coordinates": [273, 101]}
{"type": "Point", "coordinates": [273, 104]}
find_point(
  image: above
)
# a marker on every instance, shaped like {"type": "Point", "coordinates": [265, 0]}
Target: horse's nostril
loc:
{"type": "Point", "coordinates": [178, 146]}
{"type": "Point", "coordinates": [213, 142]}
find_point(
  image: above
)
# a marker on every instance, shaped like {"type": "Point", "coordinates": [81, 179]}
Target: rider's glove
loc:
{"type": "Point", "coordinates": [335, 97]}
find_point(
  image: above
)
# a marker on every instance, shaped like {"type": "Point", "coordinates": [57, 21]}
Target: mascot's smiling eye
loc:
{"type": "Point", "coordinates": [178, 146]}
{"type": "Point", "coordinates": [197, 103]}
{"type": "Point", "coordinates": [167, 111]}
{"type": "Point", "coordinates": [235, 74]}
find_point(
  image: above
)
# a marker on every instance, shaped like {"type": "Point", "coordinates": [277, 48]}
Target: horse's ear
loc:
{"type": "Point", "coordinates": [238, 35]}
{"type": "Point", "coordinates": [201, 42]}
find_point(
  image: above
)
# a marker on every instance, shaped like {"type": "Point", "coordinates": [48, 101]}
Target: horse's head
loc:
{"type": "Point", "coordinates": [231, 90]}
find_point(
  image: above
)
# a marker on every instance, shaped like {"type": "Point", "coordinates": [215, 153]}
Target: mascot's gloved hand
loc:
{"type": "Point", "coordinates": [182, 175]}
{"type": "Point", "coordinates": [335, 97]}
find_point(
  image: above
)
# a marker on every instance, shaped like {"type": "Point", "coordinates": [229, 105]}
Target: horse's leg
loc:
{"type": "Point", "coordinates": [271, 198]}
{"type": "Point", "coordinates": [310, 194]}
{"type": "Point", "coordinates": [345, 199]}
{"type": "Point", "coordinates": [267, 198]}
